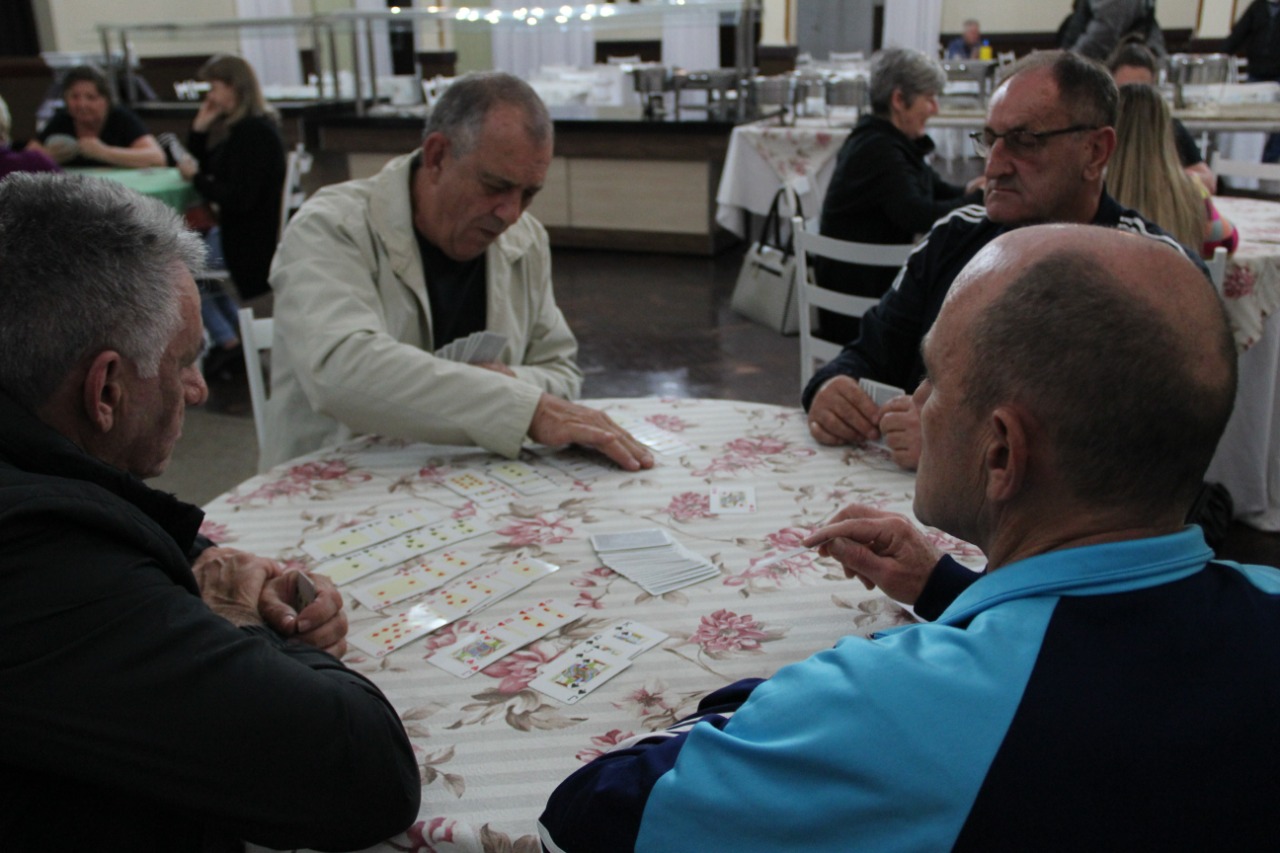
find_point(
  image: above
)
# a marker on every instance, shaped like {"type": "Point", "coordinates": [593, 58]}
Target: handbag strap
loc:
{"type": "Point", "coordinates": [774, 220]}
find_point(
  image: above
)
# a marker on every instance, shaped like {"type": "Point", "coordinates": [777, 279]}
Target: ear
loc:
{"type": "Point", "coordinates": [1102, 144]}
{"type": "Point", "coordinates": [1006, 456]}
{"type": "Point", "coordinates": [434, 149]}
{"type": "Point", "coordinates": [898, 100]}
{"type": "Point", "coordinates": [103, 392]}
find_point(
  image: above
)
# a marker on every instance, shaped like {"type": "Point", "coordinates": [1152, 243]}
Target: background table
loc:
{"type": "Point", "coordinates": [165, 184]}
{"type": "Point", "coordinates": [491, 749]}
{"type": "Point", "coordinates": [1248, 457]}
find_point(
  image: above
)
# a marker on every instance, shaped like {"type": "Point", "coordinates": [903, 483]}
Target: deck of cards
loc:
{"type": "Point", "coordinates": [652, 559]}
{"type": "Point", "coordinates": [476, 348]}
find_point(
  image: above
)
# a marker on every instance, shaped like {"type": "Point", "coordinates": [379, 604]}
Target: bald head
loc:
{"type": "Point", "coordinates": [1115, 343]}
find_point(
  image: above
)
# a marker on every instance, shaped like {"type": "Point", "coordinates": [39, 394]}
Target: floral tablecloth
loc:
{"type": "Point", "coordinates": [491, 748]}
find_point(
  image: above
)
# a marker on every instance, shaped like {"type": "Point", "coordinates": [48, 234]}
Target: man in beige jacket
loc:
{"type": "Point", "coordinates": [374, 275]}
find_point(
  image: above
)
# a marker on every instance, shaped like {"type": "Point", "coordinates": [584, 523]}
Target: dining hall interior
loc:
{"type": "Point", "coordinates": [696, 143]}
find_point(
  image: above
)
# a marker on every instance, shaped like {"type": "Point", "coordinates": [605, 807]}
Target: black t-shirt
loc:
{"type": "Point", "coordinates": [121, 129]}
{"type": "Point", "coordinates": [456, 291]}
{"type": "Point", "coordinates": [1188, 152]}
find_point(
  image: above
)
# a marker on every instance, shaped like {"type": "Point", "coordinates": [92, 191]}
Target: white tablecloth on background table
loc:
{"type": "Point", "coordinates": [1248, 458]}
{"type": "Point", "coordinates": [491, 749]}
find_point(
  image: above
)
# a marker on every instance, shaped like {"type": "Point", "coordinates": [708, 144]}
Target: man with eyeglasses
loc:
{"type": "Point", "coordinates": [1049, 133]}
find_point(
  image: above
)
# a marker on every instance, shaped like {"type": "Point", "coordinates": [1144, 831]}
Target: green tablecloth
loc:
{"type": "Point", "coordinates": [165, 184]}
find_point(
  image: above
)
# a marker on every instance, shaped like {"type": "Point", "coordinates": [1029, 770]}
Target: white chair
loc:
{"type": "Point", "coordinates": [1222, 167]}
{"type": "Point", "coordinates": [297, 164]}
{"type": "Point", "coordinates": [255, 338]}
{"type": "Point", "coordinates": [1218, 267]}
{"type": "Point", "coordinates": [809, 243]}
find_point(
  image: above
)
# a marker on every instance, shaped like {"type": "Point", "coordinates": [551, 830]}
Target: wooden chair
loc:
{"type": "Point", "coordinates": [255, 338]}
{"type": "Point", "coordinates": [809, 243]}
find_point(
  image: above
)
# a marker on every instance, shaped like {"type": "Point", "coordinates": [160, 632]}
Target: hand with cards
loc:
{"type": "Point", "coordinates": [847, 410]}
{"type": "Point", "coordinates": [900, 431]}
{"type": "Point", "coordinates": [652, 559]}
{"type": "Point", "coordinates": [306, 608]}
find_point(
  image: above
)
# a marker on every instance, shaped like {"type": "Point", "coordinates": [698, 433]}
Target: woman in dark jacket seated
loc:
{"type": "Point", "coordinates": [883, 191]}
{"type": "Point", "coordinates": [92, 130]}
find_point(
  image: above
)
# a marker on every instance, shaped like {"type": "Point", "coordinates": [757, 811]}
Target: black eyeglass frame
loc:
{"type": "Point", "coordinates": [1022, 145]}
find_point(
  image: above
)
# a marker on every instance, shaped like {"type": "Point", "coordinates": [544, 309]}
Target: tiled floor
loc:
{"type": "Point", "coordinates": [646, 325]}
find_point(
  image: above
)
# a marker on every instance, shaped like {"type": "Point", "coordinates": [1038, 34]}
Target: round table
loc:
{"type": "Point", "coordinates": [491, 748]}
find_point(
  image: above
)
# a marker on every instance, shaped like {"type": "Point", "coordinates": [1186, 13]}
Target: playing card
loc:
{"type": "Point", "coordinates": [474, 652]}
{"type": "Point", "coordinates": [484, 490]}
{"type": "Point", "coordinates": [652, 538]}
{"type": "Point", "coordinates": [627, 639]}
{"type": "Point", "coordinates": [304, 591]}
{"type": "Point", "coordinates": [654, 437]}
{"type": "Point", "coordinates": [729, 499]}
{"type": "Point", "coordinates": [879, 392]}
{"type": "Point", "coordinates": [352, 567]}
{"type": "Point", "coordinates": [577, 672]}
{"type": "Point", "coordinates": [581, 465]}
{"type": "Point", "coordinates": [386, 636]}
{"type": "Point", "coordinates": [491, 642]}
{"type": "Point", "coordinates": [537, 620]}
{"type": "Point", "coordinates": [485, 346]}
{"type": "Point", "coordinates": [369, 533]}
{"type": "Point", "coordinates": [423, 576]}
{"type": "Point", "coordinates": [522, 477]}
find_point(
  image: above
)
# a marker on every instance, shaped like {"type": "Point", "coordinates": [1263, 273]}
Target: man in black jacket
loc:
{"type": "Point", "coordinates": [1049, 133]}
{"type": "Point", "coordinates": [156, 691]}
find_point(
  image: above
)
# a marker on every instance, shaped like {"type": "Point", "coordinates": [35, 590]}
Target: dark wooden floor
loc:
{"type": "Point", "coordinates": [646, 325]}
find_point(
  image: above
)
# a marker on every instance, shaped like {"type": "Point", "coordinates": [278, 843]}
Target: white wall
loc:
{"type": "Point", "coordinates": [1020, 16]}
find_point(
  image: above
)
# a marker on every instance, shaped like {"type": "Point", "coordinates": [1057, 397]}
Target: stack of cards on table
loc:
{"type": "Point", "coordinates": [595, 660]}
{"type": "Point", "coordinates": [476, 348]}
{"type": "Point", "coordinates": [476, 650]}
{"type": "Point", "coordinates": [652, 559]}
{"type": "Point", "coordinates": [447, 604]}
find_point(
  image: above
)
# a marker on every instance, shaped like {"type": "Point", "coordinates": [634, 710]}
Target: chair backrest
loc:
{"type": "Point", "coordinates": [255, 339]}
{"type": "Point", "coordinates": [297, 164]}
{"type": "Point", "coordinates": [1218, 267]}
{"type": "Point", "coordinates": [809, 244]}
{"type": "Point", "coordinates": [1222, 167]}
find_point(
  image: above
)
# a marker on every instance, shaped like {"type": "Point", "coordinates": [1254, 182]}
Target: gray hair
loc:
{"type": "Point", "coordinates": [1119, 392]}
{"type": "Point", "coordinates": [1086, 88]}
{"type": "Point", "coordinates": [461, 111]}
{"type": "Point", "coordinates": [6, 123]}
{"type": "Point", "coordinates": [85, 266]}
{"type": "Point", "coordinates": [909, 70]}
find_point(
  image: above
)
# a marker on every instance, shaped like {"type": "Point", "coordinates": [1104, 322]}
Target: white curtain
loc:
{"type": "Point", "coordinates": [521, 49]}
{"type": "Point", "coordinates": [272, 52]}
{"type": "Point", "coordinates": [913, 23]}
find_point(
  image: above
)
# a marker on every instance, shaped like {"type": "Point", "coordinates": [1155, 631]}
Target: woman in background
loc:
{"type": "Point", "coordinates": [1146, 175]}
{"type": "Point", "coordinates": [91, 130]}
{"type": "Point", "coordinates": [238, 166]}
{"type": "Point", "coordinates": [883, 190]}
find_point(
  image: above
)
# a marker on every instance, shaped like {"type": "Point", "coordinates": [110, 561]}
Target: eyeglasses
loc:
{"type": "Point", "coordinates": [1019, 143]}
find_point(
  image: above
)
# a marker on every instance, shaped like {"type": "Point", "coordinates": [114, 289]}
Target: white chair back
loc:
{"type": "Point", "coordinates": [1218, 267]}
{"type": "Point", "coordinates": [1222, 167]}
{"type": "Point", "coordinates": [808, 244]}
{"type": "Point", "coordinates": [255, 338]}
{"type": "Point", "coordinates": [297, 164]}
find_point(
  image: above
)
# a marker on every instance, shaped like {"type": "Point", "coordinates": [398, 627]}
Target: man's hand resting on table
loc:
{"type": "Point", "coordinates": [246, 589]}
{"type": "Point", "coordinates": [878, 548]}
{"type": "Point", "coordinates": [558, 421]}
